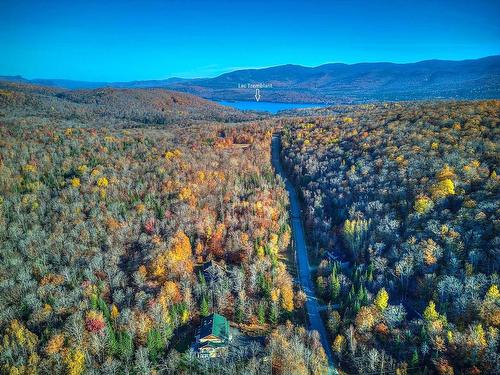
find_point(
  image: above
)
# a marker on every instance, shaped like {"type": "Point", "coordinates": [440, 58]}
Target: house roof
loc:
{"type": "Point", "coordinates": [216, 325]}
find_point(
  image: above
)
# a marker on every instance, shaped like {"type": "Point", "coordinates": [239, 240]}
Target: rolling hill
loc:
{"type": "Point", "coordinates": [120, 107]}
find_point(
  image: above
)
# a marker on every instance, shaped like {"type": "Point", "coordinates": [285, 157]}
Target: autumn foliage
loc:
{"type": "Point", "coordinates": [111, 201]}
{"type": "Point", "coordinates": [401, 206]}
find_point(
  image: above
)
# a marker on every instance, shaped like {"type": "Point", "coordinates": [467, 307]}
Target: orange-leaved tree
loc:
{"type": "Point", "coordinates": [176, 259]}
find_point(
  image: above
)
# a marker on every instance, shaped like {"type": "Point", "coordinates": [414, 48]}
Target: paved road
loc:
{"type": "Point", "coordinates": [312, 306]}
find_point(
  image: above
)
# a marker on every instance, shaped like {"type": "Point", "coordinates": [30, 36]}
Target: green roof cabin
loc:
{"type": "Point", "coordinates": [213, 337]}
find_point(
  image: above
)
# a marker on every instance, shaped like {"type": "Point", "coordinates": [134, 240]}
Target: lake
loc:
{"type": "Point", "coordinates": [268, 106]}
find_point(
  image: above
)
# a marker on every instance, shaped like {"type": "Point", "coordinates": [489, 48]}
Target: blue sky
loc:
{"type": "Point", "coordinates": [128, 40]}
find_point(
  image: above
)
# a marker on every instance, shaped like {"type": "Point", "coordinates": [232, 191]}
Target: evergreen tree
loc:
{"type": "Point", "coordinates": [274, 314]}
{"type": "Point", "coordinates": [155, 344]}
{"type": "Point", "coordinates": [204, 309]}
{"type": "Point", "coordinates": [334, 286]}
{"type": "Point", "coordinates": [261, 313]}
{"type": "Point", "coordinates": [238, 313]}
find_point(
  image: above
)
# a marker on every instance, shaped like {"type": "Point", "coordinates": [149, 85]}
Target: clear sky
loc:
{"type": "Point", "coordinates": [108, 40]}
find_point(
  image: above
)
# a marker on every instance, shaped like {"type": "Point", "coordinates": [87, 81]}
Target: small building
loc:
{"type": "Point", "coordinates": [213, 337]}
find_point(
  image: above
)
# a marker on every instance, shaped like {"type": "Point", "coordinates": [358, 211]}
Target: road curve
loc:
{"type": "Point", "coordinates": [312, 306]}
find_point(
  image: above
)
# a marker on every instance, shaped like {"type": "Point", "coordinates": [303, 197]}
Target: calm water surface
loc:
{"type": "Point", "coordinates": [268, 106]}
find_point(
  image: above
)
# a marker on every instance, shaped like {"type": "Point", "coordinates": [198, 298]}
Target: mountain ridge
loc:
{"type": "Point", "coordinates": [331, 82]}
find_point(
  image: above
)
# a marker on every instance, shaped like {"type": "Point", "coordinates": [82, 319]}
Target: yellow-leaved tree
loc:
{"type": "Point", "coordinates": [115, 313]}
{"type": "Point", "coordinates": [338, 344]}
{"type": "Point", "coordinates": [287, 297]}
{"type": "Point", "coordinates": [75, 362]}
{"type": "Point", "coordinates": [423, 204]}
{"type": "Point", "coordinates": [382, 299]}
{"type": "Point", "coordinates": [430, 313]}
{"type": "Point", "coordinates": [443, 188]}
{"type": "Point", "coordinates": [493, 292]}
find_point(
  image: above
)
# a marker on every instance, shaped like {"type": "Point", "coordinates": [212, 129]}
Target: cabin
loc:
{"type": "Point", "coordinates": [213, 337]}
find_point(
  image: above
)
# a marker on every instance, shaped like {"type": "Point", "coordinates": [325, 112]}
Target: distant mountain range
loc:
{"type": "Point", "coordinates": [331, 83]}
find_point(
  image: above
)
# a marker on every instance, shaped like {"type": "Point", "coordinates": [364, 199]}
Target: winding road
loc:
{"type": "Point", "coordinates": [312, 306]}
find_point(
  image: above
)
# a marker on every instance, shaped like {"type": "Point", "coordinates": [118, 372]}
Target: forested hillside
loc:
{"type": "Point", "coordinates": [111, 107]}
{"type": "Point", "coordinates": [406, 197]}
{"type": "Point", "coordinates": [104, 230]}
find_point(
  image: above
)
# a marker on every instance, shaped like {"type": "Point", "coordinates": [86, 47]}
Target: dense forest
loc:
{"type": "Point", "coordinates": [107, 107]}
{"type": "Point", "coordinates": [110, 203]}
{"type": "Point", "coordinates": [113, 202]}
{"type": "Point", "coordinates": [401, 209]}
